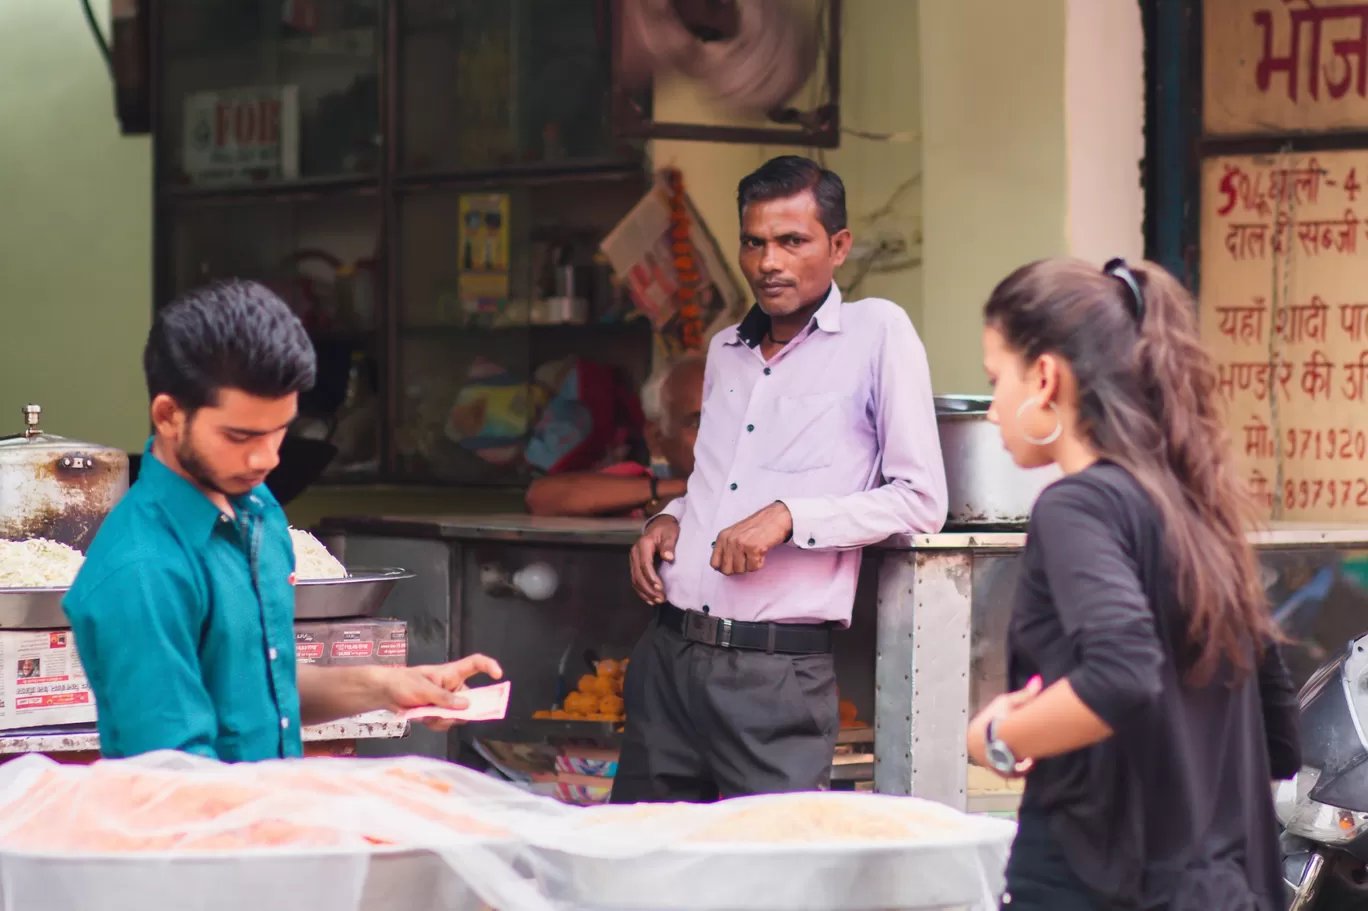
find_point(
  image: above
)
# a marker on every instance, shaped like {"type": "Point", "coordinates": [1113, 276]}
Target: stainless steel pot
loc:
{"type": "Point", "coordinates": [986, 487]}
{"type": "Point", "coordinates": [55, 488]}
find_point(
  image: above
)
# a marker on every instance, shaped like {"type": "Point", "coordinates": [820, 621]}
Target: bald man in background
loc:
{"type": "Point", "coordinates": [672, 401]}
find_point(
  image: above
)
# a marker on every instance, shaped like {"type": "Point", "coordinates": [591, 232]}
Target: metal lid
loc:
{"type": "Point", "coordinates": [963, 404]}
{"type": "Point", "coordinates": [33, 439]}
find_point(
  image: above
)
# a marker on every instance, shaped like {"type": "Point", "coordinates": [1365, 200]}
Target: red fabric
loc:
{"type": "Point", "coordinates": [576, 431]}
{"type": "Point", "coordinates": [628, 470]}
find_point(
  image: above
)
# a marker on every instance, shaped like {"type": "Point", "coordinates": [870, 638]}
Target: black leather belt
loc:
{"type": "Point", "coordinates": [783, 638]}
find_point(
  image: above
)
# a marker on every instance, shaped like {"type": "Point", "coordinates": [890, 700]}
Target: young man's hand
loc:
{"type": "Point", "coordinates": [435, 684]}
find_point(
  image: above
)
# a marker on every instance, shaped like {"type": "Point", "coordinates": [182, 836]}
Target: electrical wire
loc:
{"type": "Point", "coordinates": [100, 41]}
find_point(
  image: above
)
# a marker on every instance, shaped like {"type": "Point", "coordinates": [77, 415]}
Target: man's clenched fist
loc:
{"type": "Point", "coordinates": [742, 547]}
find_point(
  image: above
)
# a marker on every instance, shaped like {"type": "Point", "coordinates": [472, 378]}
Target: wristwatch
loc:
{"type": "Point", "coordinates": [653, 503]}
{"type": "Point", "coordinates": [1000, 755]}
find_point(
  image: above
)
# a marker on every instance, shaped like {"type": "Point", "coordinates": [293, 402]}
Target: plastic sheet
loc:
{"type": "Point", "coordinates": [170, 830]}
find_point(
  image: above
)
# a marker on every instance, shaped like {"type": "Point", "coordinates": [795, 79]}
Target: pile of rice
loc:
{"type": "Point", "coordinates": [38, 563]}
{"type": "Point", "coordinates": [42, 563]}
{"type": "Point", "coordinates": [313, 560]}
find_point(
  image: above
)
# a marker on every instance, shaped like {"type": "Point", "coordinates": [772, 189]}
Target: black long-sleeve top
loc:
{"type": "Point", "coordinates": [1177, 806]}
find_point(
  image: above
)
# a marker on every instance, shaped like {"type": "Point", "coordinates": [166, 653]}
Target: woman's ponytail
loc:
{"type": "Point", "coordinates": [1207, 509]}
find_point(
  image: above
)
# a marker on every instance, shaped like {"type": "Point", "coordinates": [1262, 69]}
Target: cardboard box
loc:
{"type": "Point", "coordinates": [44, 683]}
{"type": "Point", "coordinates": [311, 643]}
{"type": "Point", "coordinates": [340, 643]}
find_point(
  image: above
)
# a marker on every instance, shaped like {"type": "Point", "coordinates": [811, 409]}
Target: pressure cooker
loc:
{"type": "Point", "coordinates": [56, 488]}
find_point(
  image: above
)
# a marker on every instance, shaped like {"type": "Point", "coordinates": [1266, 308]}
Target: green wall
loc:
{"type": "Point", "coordinates": [75, 231]}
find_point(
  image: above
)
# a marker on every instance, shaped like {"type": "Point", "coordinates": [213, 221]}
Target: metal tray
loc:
{"type": "Point", "coordinates": [359, 595]}
{"type": "Point", "coordinates": [32, 608]}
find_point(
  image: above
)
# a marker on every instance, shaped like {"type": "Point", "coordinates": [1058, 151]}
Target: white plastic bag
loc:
{"type": "Point", "coordinates": [170, 830]}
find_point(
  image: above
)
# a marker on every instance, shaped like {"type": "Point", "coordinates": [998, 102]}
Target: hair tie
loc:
{"type": "Point", "coordinates": [1117, 268]}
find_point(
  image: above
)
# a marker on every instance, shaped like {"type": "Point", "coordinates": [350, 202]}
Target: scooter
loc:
{"type": "Point", "coordinates": [1324, 810]}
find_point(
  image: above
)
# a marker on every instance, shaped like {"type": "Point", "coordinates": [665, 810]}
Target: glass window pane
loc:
{"type": "Point", "coordinates": [320, 256]}
{"type": "Point", "coordinates": [494, 83]}
{"type": "Point", "coordinates": [485, 335]}
{"type": "Point", "coordinates": [260, 90]}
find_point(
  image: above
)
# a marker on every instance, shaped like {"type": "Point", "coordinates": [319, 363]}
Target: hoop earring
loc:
{"type": "Point", "coordinates": [1049, 438]}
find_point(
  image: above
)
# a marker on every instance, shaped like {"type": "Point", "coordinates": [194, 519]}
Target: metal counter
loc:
{"type": "Point", "coordinates": [944, 604]}
{"type": "Point", "coordinates": [57, 740]}
{"type": "Point", "coordinates": [926, 648]}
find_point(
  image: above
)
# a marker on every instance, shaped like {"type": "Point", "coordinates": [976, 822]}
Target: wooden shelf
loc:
{"type": "Point", "coordinates": [304, 188]}
{"type": "Point", "coordinates": [530, 173]}
{"type": "Point", "coordinates": [636, 327]}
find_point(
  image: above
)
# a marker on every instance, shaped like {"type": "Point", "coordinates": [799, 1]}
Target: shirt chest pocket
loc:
{"type": "Point", "coordinates": [802, 432]}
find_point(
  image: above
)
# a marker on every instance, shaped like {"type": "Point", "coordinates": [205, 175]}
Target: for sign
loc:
{"type": "Point", "coordinates": [242, 135]}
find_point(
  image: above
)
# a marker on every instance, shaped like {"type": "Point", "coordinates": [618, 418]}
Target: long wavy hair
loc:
{"type": "Point", "coordinates": [1148, 401]}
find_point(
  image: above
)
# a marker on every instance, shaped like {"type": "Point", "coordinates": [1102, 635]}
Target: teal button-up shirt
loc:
{"type": "Point", "coordinates": [184, 620]}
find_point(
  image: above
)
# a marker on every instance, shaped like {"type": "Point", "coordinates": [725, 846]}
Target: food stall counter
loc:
{"type": "Point", "coordinates": [81, 744]}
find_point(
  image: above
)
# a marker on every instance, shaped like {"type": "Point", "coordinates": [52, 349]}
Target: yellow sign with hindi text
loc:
{"type": "Point", "coordinates": [1284, 310]}
{"type": "Point", "coordinates": [1276, 66]}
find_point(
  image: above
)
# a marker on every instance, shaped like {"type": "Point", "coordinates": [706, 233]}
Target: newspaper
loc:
{"type": "Point", "coordinates": [44, 682]}
{"type": "Point", "coordinates": [639, 251]}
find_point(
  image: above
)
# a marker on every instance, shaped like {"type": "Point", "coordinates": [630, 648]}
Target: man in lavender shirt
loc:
{"type": "Point", "coordinates": [818, 437]}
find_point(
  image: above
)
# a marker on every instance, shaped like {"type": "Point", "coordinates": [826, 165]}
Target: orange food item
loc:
{"type": "Point", "coordinates": [601, 686]}
{"type": "Point", "coordinates": [607, 668]}
{"type": "Point", "coordinates": [848, 712]}
{"type": "Point", "coordinates": [611, 705]}
{"type": "Point", "coordinates": [581, 703]}
{"type": "Point", "coordinates": [543, 714]}
{"type": "Point", "coordinates": [587, 683]}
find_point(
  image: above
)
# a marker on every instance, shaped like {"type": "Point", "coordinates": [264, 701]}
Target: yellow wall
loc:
{"type": "Point", "coordinates": [75, 237]}
{"type": "Point", "coordinates": [996, 172]}
{"type": "Point", "coordinates": [1033, 115]}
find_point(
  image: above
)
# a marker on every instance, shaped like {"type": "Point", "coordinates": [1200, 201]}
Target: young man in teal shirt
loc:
{"type": "Point", "coordinates": [184, 609]}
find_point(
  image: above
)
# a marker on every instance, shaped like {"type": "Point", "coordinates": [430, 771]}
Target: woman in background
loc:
{"type": "Point", "coordinates": [1150, 706]}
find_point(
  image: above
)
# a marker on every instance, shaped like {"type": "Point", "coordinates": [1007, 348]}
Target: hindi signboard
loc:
{"type": "Point", "coordinates": [1284, 310]}
{"type": "Point", "coordinates": [1276, 66]}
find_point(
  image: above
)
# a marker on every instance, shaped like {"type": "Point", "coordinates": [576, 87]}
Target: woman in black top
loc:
{"type": "Point", "coordinates": [1150, 708]}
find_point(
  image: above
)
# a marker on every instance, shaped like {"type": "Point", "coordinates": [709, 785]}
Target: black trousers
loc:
{"type": "Point", "coordinates": [705, 723]}
{"type": "Point", "coordinates": [1039, 877]}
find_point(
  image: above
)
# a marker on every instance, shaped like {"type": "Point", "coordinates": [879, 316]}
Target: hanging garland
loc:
{"type": "Point", "coordinates": [685, 264]}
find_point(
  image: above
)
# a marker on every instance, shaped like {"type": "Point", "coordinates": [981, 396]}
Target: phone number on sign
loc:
{"type": "Point", "coordinates": [1332, 444]}
{"type": "Point", "coordinates": [1337, 494]}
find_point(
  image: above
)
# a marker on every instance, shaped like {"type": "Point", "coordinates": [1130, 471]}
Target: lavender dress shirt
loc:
{"type": "Point", "coordinates": [839, 426]}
